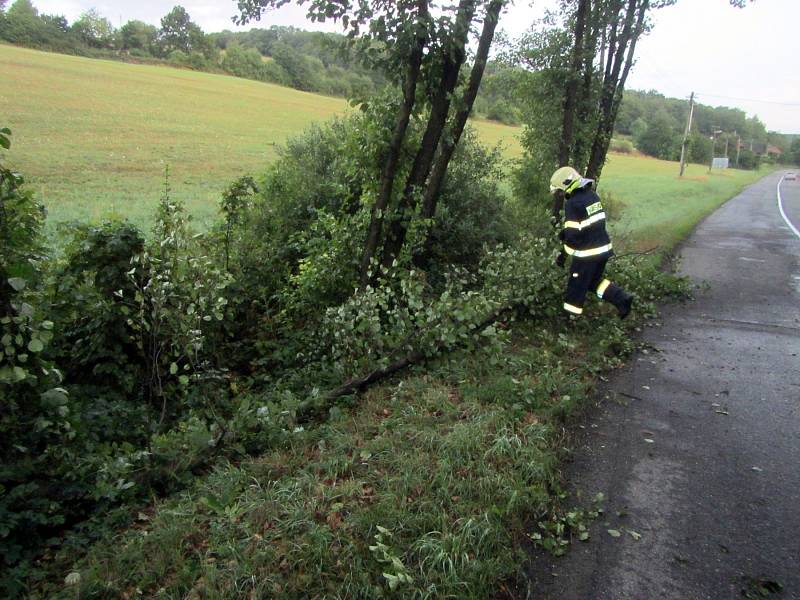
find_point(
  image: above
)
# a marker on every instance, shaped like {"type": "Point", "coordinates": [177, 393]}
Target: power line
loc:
{"type": "Point", "coordinates": [750, 99]}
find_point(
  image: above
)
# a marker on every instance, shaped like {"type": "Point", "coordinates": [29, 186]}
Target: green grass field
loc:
{"type": "Point", "coordinates": [93, 138]}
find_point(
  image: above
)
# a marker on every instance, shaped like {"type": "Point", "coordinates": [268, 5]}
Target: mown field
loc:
{"type": "Point", "coordinates": [94, 138]}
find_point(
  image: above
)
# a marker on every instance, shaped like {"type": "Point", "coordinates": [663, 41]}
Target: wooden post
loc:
{"type": "Point", "coordinates": [686, 134]}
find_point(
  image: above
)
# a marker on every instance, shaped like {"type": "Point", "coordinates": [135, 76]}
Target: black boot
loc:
{"type": "Point", "coordinates": [624, 307]}
{"type": "Point", "coordinates": [621, 300]}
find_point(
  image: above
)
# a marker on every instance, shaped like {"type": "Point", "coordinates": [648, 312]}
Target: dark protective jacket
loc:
{"type": "Point", "coordinates": [584, 234]}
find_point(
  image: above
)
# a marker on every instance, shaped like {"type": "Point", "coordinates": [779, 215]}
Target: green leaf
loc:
{"type": "Point", "coordinates": [614, 533]}
{"type": "Point", "coordinates": [173, 368]}
{"type": "Point", "coordinates": [184, 379]}
{"type": "Point", "coordinates": [35, 345]}
{"type": "Point", "coordinates": [55, 396]}
{"type": "Point", "coordinates": [18, 283]}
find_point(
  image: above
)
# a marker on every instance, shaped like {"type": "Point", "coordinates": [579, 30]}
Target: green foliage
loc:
{"type": "Point", "coordinates": [297, 250]}
{"type": "Point", "coordinates": [248, 63]}
{"type": "Point", "coordinates": [659, 138]}
{"type": "Point", "coordinates": [179, 33]}
{"type": "Point", "coordinates": [498, 98]}
{"type": "Point", "coordinates": [178, 293]}
{"type": "Point", "coordinates": [137, 35]}
{"type": "Point", "coordinates": [135, 403]}
{"type": "Point", "coordinates": [22, 24]}
{"type": "Point", "coordinates": [34, 414]}
{"type": "Point", "coordinates": [749, 160]}
{"type": "Point", "coordinates": [94, 30]}
{"type": "Point", "coordinates": [657, 123]}
{"type": "Point", "coordinates": [561, 527]}
{"type": "Point", "coordinates": [794, 152]}
{"type": "Point", "coordinates": [301, 69]}
{"type": "Point", "coordinates": [700, 147]}
{"type": "Point", "coordinates": [420, 489]}
{"type": "Point", "coordinates": [96, 347]}
{"type": "Point", "coordinates": [621, 146]}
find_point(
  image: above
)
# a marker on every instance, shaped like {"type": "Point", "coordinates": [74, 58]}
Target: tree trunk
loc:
{"type": "Point", "coordinates": [6, 294]}
{"type": "Point", "coordinates": [451, 140]}
{"type": "Point", "coordinates": [586, 98]}
{"type": "Point", "coordinates": [612, 91]}
{"type": "Point", "coordinates": [389, 171]}
{"type": "Point", "coordinates": [571, 92]}
{"type": "Point", "coordinates": [454, 55]}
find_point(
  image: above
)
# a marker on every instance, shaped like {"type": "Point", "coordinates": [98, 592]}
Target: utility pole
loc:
{"type": "Point", "coordinates": [726, 145]}
{"type": "Point", "coordinates": [738, 147]}
{"type": "Point", "coordinates": [686, 134]}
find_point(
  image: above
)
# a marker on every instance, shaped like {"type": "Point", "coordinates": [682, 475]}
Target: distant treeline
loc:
{"type": "Point", "coordinates": [304, 60]}
{"type": "Point", "coordinates": [309, 61]}
{"type": "Point", "coordinates": [656, 125]}
{"type": "Point", "coordinates": [653, 124]}
{"type": "Point", "coordinates": [320, 62]}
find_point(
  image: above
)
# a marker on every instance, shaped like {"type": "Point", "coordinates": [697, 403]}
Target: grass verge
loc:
{"type": "Point", "coordinates": [653, 207]}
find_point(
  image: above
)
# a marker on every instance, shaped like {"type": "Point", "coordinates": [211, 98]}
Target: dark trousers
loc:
{"type": "Point", "coordinates": [587, 276]}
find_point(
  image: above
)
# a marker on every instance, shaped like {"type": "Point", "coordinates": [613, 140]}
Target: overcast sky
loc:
{"type": "Point", "coordinates": [747, 58]}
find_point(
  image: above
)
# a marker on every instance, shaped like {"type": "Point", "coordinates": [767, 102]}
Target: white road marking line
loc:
{"type": "Point", "coordinates": [783, 213]}
{"type": "Point", "coordinates": [758, 260]}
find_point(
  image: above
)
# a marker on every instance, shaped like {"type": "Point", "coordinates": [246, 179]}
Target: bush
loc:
{"type": "Point", "coordinates": [621, 146]}
{"type": "Point", "coordinates": [134, 403]}
{"type": "Point", "coordinates": [502, 110]}
{"type": "Point", "coordinates": [749, 160]}
{"type": "Point", "coordinates": [659, 139]}
{"type": "Point", "coordinates": [243, 63]}
{"type": "Point", "coordinates": [699, 149]}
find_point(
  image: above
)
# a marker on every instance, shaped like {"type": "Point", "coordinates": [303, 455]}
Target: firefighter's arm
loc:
{"type": "Point", "coordinates": [555, 212]}
{"type": "Point", "coordinates": [572, 234]}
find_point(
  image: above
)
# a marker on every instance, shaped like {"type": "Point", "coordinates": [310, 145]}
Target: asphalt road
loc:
{"type": "Point", "coordinates": [696, 445]}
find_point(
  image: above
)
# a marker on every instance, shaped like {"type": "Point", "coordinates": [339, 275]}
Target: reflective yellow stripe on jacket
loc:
{"type": "Point", "coordinates": [585, 223]}
{"type": "Point", "coordinates": [587, 252]}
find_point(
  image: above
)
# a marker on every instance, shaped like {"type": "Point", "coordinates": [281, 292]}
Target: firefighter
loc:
{"type": "Point", "coordinates": [586, 241]}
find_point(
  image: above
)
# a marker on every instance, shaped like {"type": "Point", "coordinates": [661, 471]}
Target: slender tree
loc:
{"type": "Point", "coordinates": [460, 120]}
{"type": "Point", "coordinates": [621, 49]}
{"type": "Point", "coordinates": [567, 141]}
{"type": "Point", "coordinates": [402, 37]}
{"type": "Point", "coordinates": [453, 54]}
{"type": "Point", "coordinates": [398, 136]}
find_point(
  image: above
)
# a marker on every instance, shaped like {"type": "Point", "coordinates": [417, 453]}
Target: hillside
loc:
{"type": "Point", "coordinates": [94, 136]}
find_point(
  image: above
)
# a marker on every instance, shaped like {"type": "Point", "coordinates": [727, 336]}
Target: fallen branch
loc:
{"type": "Point", "coordinates": [317, 408]}
{"type": "Point", "coordinates": [638, 254]}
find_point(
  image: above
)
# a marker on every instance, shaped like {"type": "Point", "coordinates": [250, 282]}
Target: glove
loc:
{"type": "Point", "coordinates": [561, 260]}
